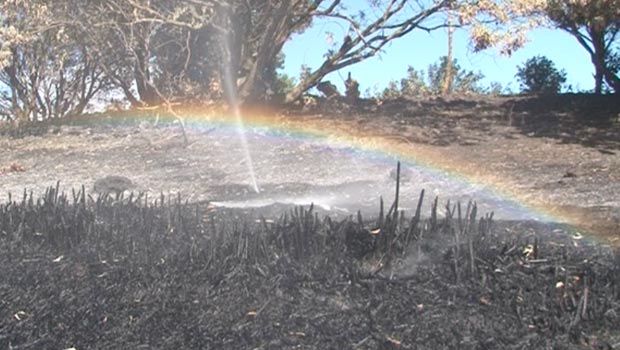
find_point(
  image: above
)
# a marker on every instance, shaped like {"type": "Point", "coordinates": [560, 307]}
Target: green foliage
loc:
{"type": "Point", "coordinates": [280, 83]}
{"type": "Point", "coordinates": [392, 91]}
{"type": "Point", "coordinates": [496, 88]}
{"type": "Point", "coordinates": [416, 83]}
{"type": "Point", "coordinates": [304, 72]}
{"type": "Point", "coordinates": [463, 81]}
{"type": "Point", "coordinates": [284, 84]}
{"type": "Point", "coordinates": [539, 75]}
{"type": "Point", "coordinates": [612, 61]}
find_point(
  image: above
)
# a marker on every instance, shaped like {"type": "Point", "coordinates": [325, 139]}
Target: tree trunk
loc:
{"type": "Point", "coordinates": [135, 103]}
{"type": "Point", "coordinates": [310, 81]}
{"type": "Point", "coordinates": [271, 44]}
{"type": "Point", "coordinates": [602, 73]}
{"type": "Point", "coordinates": [447, 82]}
{"type": "Point", "coordinates": [146, 91]}
{"type": "Point", "coordinates": [598, 59]}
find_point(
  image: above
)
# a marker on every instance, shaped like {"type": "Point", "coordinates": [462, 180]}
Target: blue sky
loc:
{"type": "Point", "coordinates": [419, 49]}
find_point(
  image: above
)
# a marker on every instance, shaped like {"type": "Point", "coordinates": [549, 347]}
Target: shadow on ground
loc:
{"type": "Point", "coordinates": [585, 119]}
{"type": "Point", "coordinates": [589, 120]}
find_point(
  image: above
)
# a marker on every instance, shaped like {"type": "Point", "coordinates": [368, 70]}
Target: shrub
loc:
{"type": "Point", "coordinates": [539, 75]}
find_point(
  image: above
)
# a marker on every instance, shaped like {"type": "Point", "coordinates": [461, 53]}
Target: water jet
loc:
{"type": "Point", "coordinates": [230, 88]}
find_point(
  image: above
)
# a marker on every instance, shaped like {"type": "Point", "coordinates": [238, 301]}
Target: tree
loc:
{"type": "Point", "coordinates": [446, 88]}
{"type": "Point", "coordinates": [45, 71]}
{"type": "Point", "coordinates": [539, 75]}
{"type": "Point", "coordinates": [252, 33]}
{"type": "Point", "coordinates": [595, 24]}
{"type": "Point", "coordinates": [161, 51]}
{"type": "Point", "coordinates": [154, 51]}
{"type": "Point", "coordinates": [369, 32]}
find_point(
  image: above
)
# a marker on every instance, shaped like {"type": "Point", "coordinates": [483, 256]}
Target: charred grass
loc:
{"type": "Point", "coordinates": [159, 273]}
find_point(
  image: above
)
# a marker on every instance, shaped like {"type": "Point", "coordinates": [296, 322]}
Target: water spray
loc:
{"type": "Point", "coordinates": [230, 87]}
{"type": "Point", "coordinates": [240, 126]}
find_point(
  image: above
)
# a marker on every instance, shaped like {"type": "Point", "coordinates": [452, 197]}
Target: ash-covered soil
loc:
{"type": "Point", "coordinates": [559, 153]}
{"type": "Point", "coordinates": [105, 274]}
{"type": "Point", "coordinates": [92, 273]}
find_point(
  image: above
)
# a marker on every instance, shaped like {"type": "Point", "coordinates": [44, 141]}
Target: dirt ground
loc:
{"type": "Point", "coordinates": [560, 153]}
{"type": "Point", "coordinates": [110, 274]}
{"type": "Point", "coordinates": [133, 273]}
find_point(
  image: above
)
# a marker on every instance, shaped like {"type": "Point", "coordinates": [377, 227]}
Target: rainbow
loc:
{"type": "Point", "coordinates": [343, 133]}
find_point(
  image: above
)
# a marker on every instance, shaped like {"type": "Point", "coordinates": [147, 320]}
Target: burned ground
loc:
{"type": "Point", "coordinates": [150, 273]}
{"type": "Point", "coordinates": [102, 273]}
{"type": "Point", "coordinates": [559, 152]}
